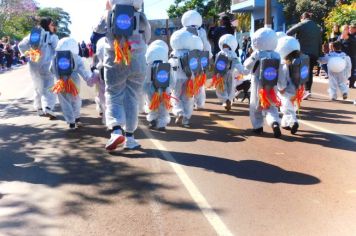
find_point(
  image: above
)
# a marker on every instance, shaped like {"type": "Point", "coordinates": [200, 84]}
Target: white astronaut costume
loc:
{"type": "Point", "coordinates": [264, 42]}
{"type": "Point", "coordinates": [71, 104]}
{"type": "Point", "coordinates": [99, 80]}
{"type": "Point", "coordinates": [182, 42]}
{"type": "Point", "coordinates": [287, 45]}
{"type": "Point", "coordinates": [339, 70]}
{"type": "Point", "coordinates": [43, 80]}
{"type": "Point", "coordinates": [230, 81]}
{"type": "Point", "coordinates": [193, 19]}
{"type": "Point", "coordinates": [124, 83]}
{"type": "Point", "coordinates": [159, 118]}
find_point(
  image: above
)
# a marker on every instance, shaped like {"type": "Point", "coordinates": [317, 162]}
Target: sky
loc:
{"type": "Point", "coordinates": [86, 13]}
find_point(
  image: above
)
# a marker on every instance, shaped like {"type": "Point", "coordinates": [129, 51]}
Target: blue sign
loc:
{"type": "Point", "coordinates": [204, 62]}
{"type": "Point", "coordinates": [123, 22]}
{"type": "Point", "coordinates": [163, 31]}
{"type": "Point", "coordinates": [63, 63]}
{"type": "Point", "coordinates": [270, 73]}
{"type": "Point", "coordinates": [162, 76]}
{"type": "Point", "coordinates": [35, 37]}
{"type": "Point", "coordinates": [304, 73]}
{"type": "Point", "coordinates": [193, 63]}
{"type": "Point", "coordinates": [220, 65]}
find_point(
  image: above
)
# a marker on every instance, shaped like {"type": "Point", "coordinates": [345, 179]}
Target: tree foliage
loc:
{"type": "Point", "coordinates": [342, 14]}
{"type": "Point", "coordinates": [207, 8]}
{"type": "Point", "coordinates": [61, 18]}
{"type": "Point", "coordinates": [294, 9]}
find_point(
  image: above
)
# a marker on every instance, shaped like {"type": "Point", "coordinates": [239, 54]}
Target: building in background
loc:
{"type": "Point", "coordinates": [256, 8]}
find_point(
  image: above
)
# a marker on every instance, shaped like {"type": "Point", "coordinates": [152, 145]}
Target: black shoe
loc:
{"type": "Point", "coordinates": [153, 124]}
{"type": "Point", "coordinates": [72, 126]}
{"type": "Point", "coordinates": [344, 96]}
{"type": "Point", "coordinates": [276, 130]}
{"type": "Point", "coordinates": [294, 128]}
{"type": "Point", "coordinates": [258, 131]}
{"type": "Point", "coordinates": [162, 129]}
{"type": "Point", "coordinates": [228, 105]}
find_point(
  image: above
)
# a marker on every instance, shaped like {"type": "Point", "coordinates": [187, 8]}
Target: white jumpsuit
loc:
{"type": "Point", "coordinates": [256, 112]}
{"type": "Point", "coordinates": [41, 76]}
{"type": "Point", "coordinates": [124, 84]}
{"type": "Point", "coordinates": [70, 104]}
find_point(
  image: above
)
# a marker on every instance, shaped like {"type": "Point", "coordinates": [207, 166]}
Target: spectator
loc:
{"type": "Point", "coordinates": [2, 56]}
{"type": "Point", "coordinates": [9, 55]}
{"type": "Point", "coordinates": [215, 34]}
{"type": "Point", "coordinates": [352, 55]}
{"type": "Point", "coordinates": [85, 49]}
{"type": "Point", "coordinates": [346, 41]}
{"type": "Point", "coordinates": [335, 34]}
{"type": "Point", "coordinates": [246, 45]}
{"type": "Point", "coordinates": [309, 35]}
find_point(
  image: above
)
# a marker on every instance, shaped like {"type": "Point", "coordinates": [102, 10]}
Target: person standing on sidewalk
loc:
{"type": "Point", "coordinates": [309, 35]}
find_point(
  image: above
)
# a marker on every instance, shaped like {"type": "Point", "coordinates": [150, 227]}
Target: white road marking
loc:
{"type": "Point", "coordinates": [317, 127]}
{"type": "Point", "coordinates": [213, 218]}
{"type": "Point", "coordinates": [326, 96]}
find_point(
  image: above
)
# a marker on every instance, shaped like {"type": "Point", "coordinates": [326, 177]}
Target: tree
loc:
{"type": "Point", "coordinates": [16, 17]}
{"type": "Point", "coordinates": [61, 18]}
{"type": "Point", "coordinates": [294, 9]}
{"type": "Point", "coordinates": [342, 14]}
{"type": "Point", "coordinates": [207, 8]}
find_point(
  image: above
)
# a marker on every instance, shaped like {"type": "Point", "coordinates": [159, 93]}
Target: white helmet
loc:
{"type": "Point", "coordinates": [192, 18]}
{"type": "Point", "coordinates": [68, 44]}
{"type": "Point", "coordinates": [156, 53]}
{"type": "Point", "coordinates": [196, 43]}
{"type": "Point", "coordinates": [137, 4]}
{"type": "Point", "coordinates": [286, 45]}
{"type": "Point", "coordinates": [229, 40]}
{"type": "Point", "coordinates": [336, 64]}
{"type": "Point", "coordinates": [280, 34]}
{"type": "Point", "coordinates": [264, 39]}
{"type": "Point", "coordinates": [161, 43]}
{"type": "Point", "coordinates": [181, 40]}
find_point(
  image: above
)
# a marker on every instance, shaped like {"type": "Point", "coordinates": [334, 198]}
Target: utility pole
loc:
{"type": "Point", "coordinates": [268, 17]}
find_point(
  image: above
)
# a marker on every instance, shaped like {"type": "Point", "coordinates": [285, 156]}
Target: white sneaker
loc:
{"type": "Point", "coordinates": [307, 94]}
{"type": "Point", "coordinates": [131, 143]}
{"type": "Point", "coordinates": [116, 140]}
{"type": "Point", "coordinates": [50, 114]}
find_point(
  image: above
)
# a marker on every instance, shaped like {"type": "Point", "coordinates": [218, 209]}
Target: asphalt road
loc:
{"type": "Point", "coordinates": [216, 178]}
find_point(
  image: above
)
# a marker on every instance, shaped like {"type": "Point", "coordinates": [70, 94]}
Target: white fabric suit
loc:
{"type": "Point", "coordinates": [264, 41]}
{"type": "Point", "coordinates": [337, 78]}
{"type": "Point", "coordinates": [41, 76]}
{"type": "Point", "coordinates": [70, 104]}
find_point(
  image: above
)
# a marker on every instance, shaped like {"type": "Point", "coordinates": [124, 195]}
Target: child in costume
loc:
{"type": "Point", "coordinates": [192, 21]}
{"type": "Point", "coordinates": [67, 66]}
{"type": "Point", "coordinates": [40, 46]}
{"type": "Point", "coordinates": [157, 84]}
{"type": "Point", "coordinates": [185, 64]}
{"type": "Point", "coordinates": [339, 70]}
{"type": "Point", "coordinates": [99, 82]}
{"type": "Point", "coordinates": [228, 69]}
{"type": "Point", "coordinates": [264, 65]}
{"type": "Point", "coordinates": [127, 34]}
{"type": "Point", "coordinates": [292, 77]}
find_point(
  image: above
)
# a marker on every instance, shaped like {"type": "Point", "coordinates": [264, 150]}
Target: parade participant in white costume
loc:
{"type": "Point", "coordinates": [184, 44]}
{"type": "Point", "coordinates": [157, 84]}
{"type": "Point", "coordinates": [264, 64]}
{"type": "Point", "coordinates": [292, 77]}
{"type": "Point", "coordinates": [99, 82]}
{"type": "Point", "coordinates": [68, 66]}
{"type": "Point", "coordinates": [127, 34]}
{"type": "Point", "coordinates": [192, 21]}
{"type": "Point", "coordinates": [40, 47]}
{"type": "Point", "coordinates": [228, 69]}
{"type": "Point", "coordinates": [339, 70]}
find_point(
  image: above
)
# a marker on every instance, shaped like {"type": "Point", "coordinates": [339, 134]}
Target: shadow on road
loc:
{"type": "Point", "coordinates": [48, 157]}
{"type": "Point", "coordinates": [246, 169]}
